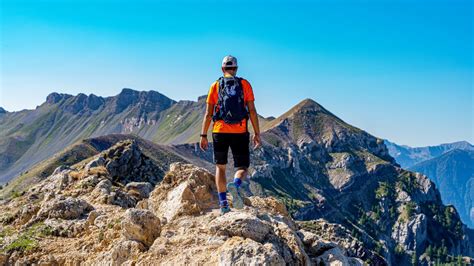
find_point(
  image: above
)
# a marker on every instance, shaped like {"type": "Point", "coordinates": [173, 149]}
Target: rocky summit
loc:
{"type": "Point", "coordinates": [99, 212]}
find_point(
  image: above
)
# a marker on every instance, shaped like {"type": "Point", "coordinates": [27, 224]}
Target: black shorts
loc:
{"type": "Point", "coordinates": [239, 145]}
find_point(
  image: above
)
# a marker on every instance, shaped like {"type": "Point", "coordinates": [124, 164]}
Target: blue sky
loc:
{"type": "Point", "coordinates": [399, 69]}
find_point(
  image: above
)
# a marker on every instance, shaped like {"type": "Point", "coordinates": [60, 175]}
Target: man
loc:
{"type": "Point", "coordinates": [230, 103]}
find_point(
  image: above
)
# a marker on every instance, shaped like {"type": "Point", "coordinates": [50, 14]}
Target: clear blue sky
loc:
{"type": "Point", "coordinates": [401, 70]}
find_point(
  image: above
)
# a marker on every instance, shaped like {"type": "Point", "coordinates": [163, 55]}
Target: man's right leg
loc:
{"type": "Point", "coordinates": [221, 148]}
{"type": "Point", "coordinates": [221, 184]}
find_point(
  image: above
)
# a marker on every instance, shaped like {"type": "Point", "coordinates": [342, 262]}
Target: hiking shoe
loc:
{"type": "Point", "coordinates": [225, 209]}
{"type": "Point", "coordinates": [237, 201]}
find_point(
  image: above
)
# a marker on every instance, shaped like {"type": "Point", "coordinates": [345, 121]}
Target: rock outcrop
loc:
{"type": "Point", "coordinates": [72, 218]}
{"type": "Point", "coordinates": [141, 225]}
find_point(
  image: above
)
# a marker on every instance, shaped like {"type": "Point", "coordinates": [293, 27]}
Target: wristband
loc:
{"type": "Point", "coordinates": [204, 135]}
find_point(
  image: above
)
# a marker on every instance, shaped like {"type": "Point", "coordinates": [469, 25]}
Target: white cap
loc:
{"type": "Point", "coordinates": [229, 61]}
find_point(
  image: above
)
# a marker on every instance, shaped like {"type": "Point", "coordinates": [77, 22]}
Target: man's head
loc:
{"type": "Point", "coordinates": [229, 65]}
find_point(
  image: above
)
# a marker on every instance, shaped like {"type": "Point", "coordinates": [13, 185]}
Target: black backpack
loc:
{"type": "Point", "coordinates": [230, 105]}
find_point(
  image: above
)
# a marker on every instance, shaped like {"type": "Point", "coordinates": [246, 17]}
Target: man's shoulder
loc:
{"type": "Point", "coordinates": [244, 80]}
{"type": "Point", "coordinates": [215, 83]}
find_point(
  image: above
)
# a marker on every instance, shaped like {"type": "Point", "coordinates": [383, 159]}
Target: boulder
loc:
{"type": "Point", "coordinates": [185, 190]}
{"type": "Point", "coordinates": [139, 189]}
{"type": "Point", "coordinates": [270, 204]}
{"type": "Point", "coordinates": [337, 257]}
{"type": "Point", "coordinates": [124, 252]}
{"type": "Point", "coordinates": [96, 162]}
{"type": "Point", "coordinates": [64, 208]}
{"type": "Point", "coordinates": [248, 252]}
{"type": "Point", "coordinates": [241, 224]}
{"type": "Point", "coordinates": [141, 225]}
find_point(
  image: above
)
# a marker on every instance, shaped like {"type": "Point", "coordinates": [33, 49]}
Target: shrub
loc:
{"type": "Point", "coordinates": [383, 190]}
{"type": "Point", "coordinates": [399, 250]}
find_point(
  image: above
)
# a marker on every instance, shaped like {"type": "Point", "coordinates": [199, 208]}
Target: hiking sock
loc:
{"type": "Point", "coordinates": [223, 199]}
{"type": "Point", "coordinates": [237, 182]}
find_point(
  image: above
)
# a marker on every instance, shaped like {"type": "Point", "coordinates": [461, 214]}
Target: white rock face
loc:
{"type": "Point", "coordinates": [427, 191]}
{"type": "Point", "coordinates": [411, 234]}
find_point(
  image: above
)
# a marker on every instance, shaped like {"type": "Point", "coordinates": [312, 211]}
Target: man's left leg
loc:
{"type": "Point", "coordinates": [240, 176]}
{"type": "Point", "coordinates": [240, 151]}
{"type": "Point", "coordinates": [241, 154]}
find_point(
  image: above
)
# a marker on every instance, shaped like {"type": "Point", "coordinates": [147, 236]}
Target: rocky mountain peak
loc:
{"type": "Point", "coordinates": [125, 163]}
{"type": "Point", "coordinates": [2, 111]}
{"type": "Point", "coordinates": [55, 97]}
{"type": "Point", "coordinates": [309, 123]}
{"type": "Point", "coordinates": [309, 103]}
{"type": "Point", "coordinates": [147, 101]}
{"type": "Point", "coordinates": [202, 98]}
{"type": "Point", "coordinates": [82, 103]}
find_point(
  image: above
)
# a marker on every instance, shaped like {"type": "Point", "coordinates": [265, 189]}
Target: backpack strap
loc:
{"type": "Point", "coordinates": [243, 97]}
{"type": "Point", "coordinates": [216, 115]}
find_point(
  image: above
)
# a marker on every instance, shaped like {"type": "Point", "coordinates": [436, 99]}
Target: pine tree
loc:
{"type": "Point", "coordinates": [414, 258]}
{"type": "Point", "coordinates": [439, 252]}
{"type": "Point", "coordinates": [447, 216]}
{"type": "Point", "coordinates": [429, 251]}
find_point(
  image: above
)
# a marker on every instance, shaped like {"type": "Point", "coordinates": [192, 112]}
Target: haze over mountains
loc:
{"type": "Point", "coordinates": [453, 173]}
{"type": "Point", "coordinates": [319, 166]}
{"type": "Point", "coordinates": [408, 156]}
{"type": "Point", "coordinates": [450, 166]}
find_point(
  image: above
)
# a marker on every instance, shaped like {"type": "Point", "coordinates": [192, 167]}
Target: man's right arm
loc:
{"type": "Point", "coordinates": [207, 118]}
{"type": "Point", "coordinates": [203, 142]}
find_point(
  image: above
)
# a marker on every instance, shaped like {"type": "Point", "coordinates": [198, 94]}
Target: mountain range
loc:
{"type": "Point", "coordinates": [30, 136]}
{"type": "Point", "coordinates": [453, 173]}
{"type": "Point", "coordinates": [449, 166]}
{"type": "Point", "coordinates": [408, 156]}
{"type": "Point", "coordinates": [317, 165]}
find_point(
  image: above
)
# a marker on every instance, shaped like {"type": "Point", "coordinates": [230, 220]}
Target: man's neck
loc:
{"type": "Point", "coordinates": [228, 75]}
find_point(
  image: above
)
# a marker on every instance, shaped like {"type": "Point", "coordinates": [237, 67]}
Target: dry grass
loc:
{"type": "Point", "coordinates": [97, 171]}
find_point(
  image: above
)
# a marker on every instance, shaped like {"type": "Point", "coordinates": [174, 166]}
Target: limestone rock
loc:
{"type": "Point", "coordinates": [241, 224]}
{"type": "Point", "coordinates": [412, 234]}
{"type": "Point", "coordinates": [140, 189]}
{"type": "Point", "coordinates": [126, 163]}
{"type": "Point", "coordinates": [141, 225]}
{"type": "Point", "coordinates": [336, 257]}
{"type": "Point", "coordinates": [64, 208]}
{"type": "Point", "coordinates": [26, 213]}
{"type": "Point", "coordinates": [185, 190]}
{"type": "Point", "coordinates": [122, 253]}
{"type": "Point", "coordinates": [96, 162]}
{"type": "Point", "coordinates": [270, 204]}
{"type": "Point", "coordinates": [248, 252]}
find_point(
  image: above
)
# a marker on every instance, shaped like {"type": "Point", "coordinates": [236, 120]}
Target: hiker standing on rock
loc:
{"type": "Point", "coordinates": [230, 103]}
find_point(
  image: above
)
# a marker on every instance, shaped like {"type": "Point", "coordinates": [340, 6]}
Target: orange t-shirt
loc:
{"type": "Point", "coordinates": [220, 126]}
